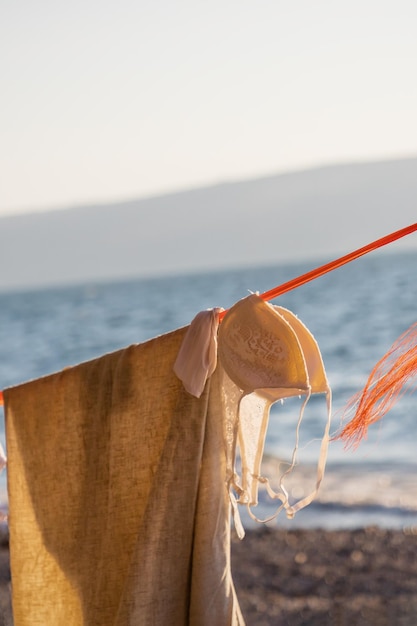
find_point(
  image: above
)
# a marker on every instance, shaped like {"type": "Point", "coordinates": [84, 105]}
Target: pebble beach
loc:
{"type": "Point", "coordinates": [364, 577]}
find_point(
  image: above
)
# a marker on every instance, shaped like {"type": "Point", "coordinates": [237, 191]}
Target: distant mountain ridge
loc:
{"type": "Point", "coordinates": [294, 216]}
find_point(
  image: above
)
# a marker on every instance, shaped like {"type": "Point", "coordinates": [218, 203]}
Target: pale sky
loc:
{"type": "Point", "coordinates": [106, 100]}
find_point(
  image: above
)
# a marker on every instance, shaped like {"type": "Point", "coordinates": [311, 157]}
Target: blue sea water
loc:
{"type": "Point", "coordinates": [355, 313]}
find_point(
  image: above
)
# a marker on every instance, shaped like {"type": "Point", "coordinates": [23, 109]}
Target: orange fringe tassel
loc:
{"type": "Point", "coordinates": [388, 381]}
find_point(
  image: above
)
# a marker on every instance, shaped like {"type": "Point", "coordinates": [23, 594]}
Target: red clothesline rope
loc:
{"type": "Point", "coordinates": [324, 269]}
{"type": "Point", "coordinates": [328, 267]}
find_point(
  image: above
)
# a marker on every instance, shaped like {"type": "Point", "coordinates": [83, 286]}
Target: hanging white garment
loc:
{"type": "Point", "coordinates": [266, 354]}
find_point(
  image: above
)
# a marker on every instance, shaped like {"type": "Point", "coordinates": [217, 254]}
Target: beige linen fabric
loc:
{"type": "Point", "coordinates": [119, 511]}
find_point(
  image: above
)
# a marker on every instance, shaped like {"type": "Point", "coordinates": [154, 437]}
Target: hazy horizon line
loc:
{"type": "Point", "coordinates": [209, 184]}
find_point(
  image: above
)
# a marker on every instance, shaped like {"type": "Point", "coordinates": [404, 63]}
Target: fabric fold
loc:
{"type": "Point", "coordinates": [197, 357]}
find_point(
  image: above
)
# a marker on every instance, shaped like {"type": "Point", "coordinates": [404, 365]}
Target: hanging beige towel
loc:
{"type": "Point", "coordinates": [119, 512]}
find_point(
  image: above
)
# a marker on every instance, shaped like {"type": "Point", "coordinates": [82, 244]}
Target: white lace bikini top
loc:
{"type": "Point", "coordinates": [265, 354]}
